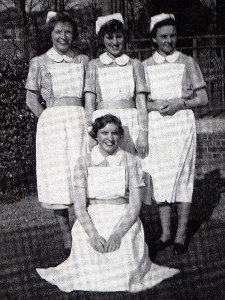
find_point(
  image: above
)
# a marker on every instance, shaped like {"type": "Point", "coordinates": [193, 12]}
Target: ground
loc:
{"type": "Point", "coordinates": [30, 238]}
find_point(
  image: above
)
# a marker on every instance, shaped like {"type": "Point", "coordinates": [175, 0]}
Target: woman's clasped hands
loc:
{"type": "Point", "coordinates": [168, 107]}
{"type": "Point", "coordinates": [99, 244]}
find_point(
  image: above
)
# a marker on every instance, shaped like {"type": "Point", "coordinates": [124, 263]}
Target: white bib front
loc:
{"type": "Point", "coordinates": [67, 79]}
{"type": "Point", "coordinates": [116, 83]}
{"type": "Point", "coordinates": [106, 182]}
{"type": "Point", "coordinates": [165, 80]}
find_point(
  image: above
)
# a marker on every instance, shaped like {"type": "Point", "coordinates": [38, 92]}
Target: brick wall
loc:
{"type": "Point", "coordinates": [210, 154]}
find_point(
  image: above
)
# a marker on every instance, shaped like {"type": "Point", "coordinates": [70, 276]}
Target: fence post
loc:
{"type": "Point", "coordinates": [222, 75]}
{"type": "Point", "coordinates": [195, 50]}
{"type": "Point", "coordinates": [106, 7]}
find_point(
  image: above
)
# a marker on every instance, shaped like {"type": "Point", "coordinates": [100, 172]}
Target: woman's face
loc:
{"type": "Point", "coordinates": [114, 43]}
{"type": "Point", "coordinates": [166, 39]}
{"type": "Point", "coordinates": [108, 138]}
{"type": "Point", "coordinates": [62, 37]}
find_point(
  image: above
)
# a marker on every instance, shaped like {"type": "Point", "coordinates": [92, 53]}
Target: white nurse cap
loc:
{"type": "Point", "coordinates": [104, 19]}
{"type": "Point", "coordinates": [50, 15]}
{"type": "Point", "coordinates": [159, 18]}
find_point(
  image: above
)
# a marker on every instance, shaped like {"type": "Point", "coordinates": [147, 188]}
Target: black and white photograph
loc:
{"type": "Point", "coordinates": [112, 149]}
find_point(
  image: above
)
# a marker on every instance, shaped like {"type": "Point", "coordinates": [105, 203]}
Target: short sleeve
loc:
{"type": "Point", "coordinates": [80, 173]}
{"type": "Point", "coordinates": [195, 75]}
{"type": "Point", "coordinates": [90, 79]}
{"type": "Point", "coordinates": [85, 60]}
{"type": "Point", "coordinates": [135, 172]}
{"type": "Point", "coordinates": [139, 77]}
{"type": "Point", "coordinates": [34, 76]}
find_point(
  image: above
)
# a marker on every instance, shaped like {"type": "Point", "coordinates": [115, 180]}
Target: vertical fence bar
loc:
{"type": "Point", "coordinates": [222, 74]}
{"type": "Point", "coordinates": [106, 7]}
{"type": "Point", "coordinates": [209, 76]}
{"type": "Point", "coordinates": [114, 6]}
{"type": "Point", "coordinates": [195, 50]}
{"type": "Point", "coordinates": [119, 6]}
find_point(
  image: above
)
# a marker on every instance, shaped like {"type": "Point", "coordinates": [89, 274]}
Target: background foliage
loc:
{"type": "Point", "coordinates": [18, 126]}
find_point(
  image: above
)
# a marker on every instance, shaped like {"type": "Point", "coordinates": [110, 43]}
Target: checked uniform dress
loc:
{"type": "Point", "coordinates": [128, 268]}
{"type": "Point", "coordinates": [61, 131]}
{"type": "Point", "coordinates": [172, 139]}
{"type": "Point", "coordinates": [115, 84]}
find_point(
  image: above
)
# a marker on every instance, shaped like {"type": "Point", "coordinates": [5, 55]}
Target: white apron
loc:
{"type": "Point", "coordinates": [128, 268]}
{"type": "Point", "coordinates": [67, 79]}
{"type": "Point", "coordinates": [117, 83]}
{"type": "Point", "coordinates": [172, 139]}
{"type": "Point", "coordinates": [61, 138]}
{"type": "Point", "coordinates": [106, 182]}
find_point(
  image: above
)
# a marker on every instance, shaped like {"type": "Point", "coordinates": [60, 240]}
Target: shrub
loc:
{"type": "Point", "coordinates": [17, 137]}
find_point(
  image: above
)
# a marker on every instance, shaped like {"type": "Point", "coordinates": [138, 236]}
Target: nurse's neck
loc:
{"type": "Point", "coordinates": [104, 153]}
{"type": "Point", "coordinates": [165, 54]}
{"type": "Point", "coordinates": [69, 52]}
{"type": "Point", "coordinates": [112, 56]}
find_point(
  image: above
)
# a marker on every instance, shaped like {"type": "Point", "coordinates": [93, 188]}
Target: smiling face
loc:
{"type": "Point", "coordinates": [62, 37]}
{"type": "Point", "coordinates": [166, 39]}
{"type": "Point", "coordinates": [108, 138]}
{"type": "Point", "coordinates": [114, 43]}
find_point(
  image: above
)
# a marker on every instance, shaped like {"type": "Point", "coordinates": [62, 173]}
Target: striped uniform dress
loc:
{"type": "Point", "coordinates": [61, 130]}
{"type": "Point", "coordinates": [172, 139]}
{"type": "Point", "coordinates": [117, 82]}
{"type": "Point", "coordinates": [126, 269]}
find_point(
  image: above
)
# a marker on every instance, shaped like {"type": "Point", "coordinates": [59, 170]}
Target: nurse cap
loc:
{"type": "Point", "coordinates": [104, 19]}
{"type": "Point", "coordinates": [159, 18]}
{"type": "Point", "coordinates": [50, 15]}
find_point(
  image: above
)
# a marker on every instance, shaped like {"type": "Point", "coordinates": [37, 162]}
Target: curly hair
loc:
{"type": "Point", "coordinates": [112, 26]}
{"type": "Point", "coordinates": [60, 17]}
{"type": "Point", "coordinates": [101, 122]}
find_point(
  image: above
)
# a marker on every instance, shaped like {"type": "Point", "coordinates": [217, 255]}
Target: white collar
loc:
{"type": "Point", "coordinates": [159, 59]}
{"type": "Point", "coordinates": [113, 160]}
{"type": "Point", "coordinates": [121, 60]}
{"type": "Point", "coordinates": [54, 55]}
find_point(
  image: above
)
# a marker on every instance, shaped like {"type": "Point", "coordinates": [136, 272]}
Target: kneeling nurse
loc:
{"type": "Point", "coordinates": [108, 249]}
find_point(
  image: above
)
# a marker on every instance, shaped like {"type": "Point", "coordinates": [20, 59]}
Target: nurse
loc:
{"type": "Point", "coordinates": [176, 86]}
{"type": "Point", "coordinates": [58, 77]}
{"type": "Point", "coordinates": [115, 84]}
{"type": "Point", "coordinates": [108, 251]}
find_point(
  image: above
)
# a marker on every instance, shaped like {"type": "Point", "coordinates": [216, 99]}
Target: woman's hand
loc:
{"type": "Point", "coordinates": [98, 243]}
{"type": "Point", "coordinates": [173, 105]}
{"type": "Point", "coordinates": [113, 242]}
{"type": "Point", "coordinates": [156, 105]}
{"type": "Point", "coordinates": [142, 143]}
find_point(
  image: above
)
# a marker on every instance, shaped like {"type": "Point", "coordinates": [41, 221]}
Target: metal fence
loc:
{"type": "Point", "coordinates": [208, 51]}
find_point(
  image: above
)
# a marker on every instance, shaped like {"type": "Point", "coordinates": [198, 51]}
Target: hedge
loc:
{"type": "Point", "coordinates": [17, 137]}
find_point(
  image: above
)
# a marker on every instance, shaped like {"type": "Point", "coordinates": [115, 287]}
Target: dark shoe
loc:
{"type": "Point", "coordinates": [160, 245]}
{"type": "Point", "coordinates": [179, 249]}
{"type": "Point", "coordinates": [66, 250]}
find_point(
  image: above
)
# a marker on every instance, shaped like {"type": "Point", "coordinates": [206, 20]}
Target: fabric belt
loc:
{"type": "Point", "coordinates": [67, 101]}
{"type": "Point", "coordinates": [117, 201]}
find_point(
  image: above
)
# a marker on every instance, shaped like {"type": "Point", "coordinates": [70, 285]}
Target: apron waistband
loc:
{"type": "Point", "coordinates": [117, 201]}
{"type": "Point", "coordinates": [67, 101]}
